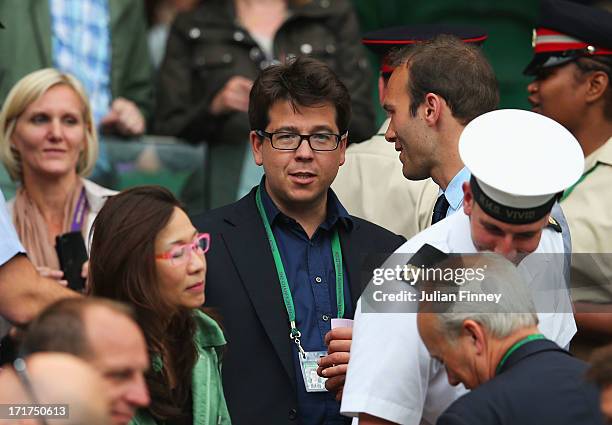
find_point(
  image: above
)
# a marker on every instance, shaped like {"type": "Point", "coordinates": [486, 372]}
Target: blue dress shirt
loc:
{"type": "Point", "coordinates": [9, 241]}
{"type": "Point", "coordinates": [454, 191]}
{"type": "Point", "coordinates": [310, 271]}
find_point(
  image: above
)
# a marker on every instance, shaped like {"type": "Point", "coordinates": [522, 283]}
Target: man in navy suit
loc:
{"type": "Point", "coordinates": [287, 258]}
{"type": "Point", "coordinates": [495, 349]}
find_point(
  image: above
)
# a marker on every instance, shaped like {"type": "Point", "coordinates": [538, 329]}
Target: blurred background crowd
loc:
{"type": "Point", "coordinates": [169, 79]}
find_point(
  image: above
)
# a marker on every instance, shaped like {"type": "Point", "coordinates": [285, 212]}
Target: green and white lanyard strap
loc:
{"type": "Point", "coordinates": [570, 189]}
{"type": "Point", "coordinates": [516, 347]}
{"type": "Point", "coordinates": [295, 333]}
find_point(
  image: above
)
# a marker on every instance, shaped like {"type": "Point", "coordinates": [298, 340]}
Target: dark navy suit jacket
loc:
{"type": "Point", "coordinates": [540, 384]}
{"type": "Point", "coordinates": [242, 284]}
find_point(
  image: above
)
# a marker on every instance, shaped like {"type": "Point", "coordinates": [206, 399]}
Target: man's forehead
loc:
{"type": "Point", "coordinates": [285, 113]}
{"type": "Point", "coordinates": [396, 87]}
{"type": "Point", "coordinates": [109, 332]}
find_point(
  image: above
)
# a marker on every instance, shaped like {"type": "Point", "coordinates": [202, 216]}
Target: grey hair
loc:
{"type": "Point", "coordinates": [515, 310]}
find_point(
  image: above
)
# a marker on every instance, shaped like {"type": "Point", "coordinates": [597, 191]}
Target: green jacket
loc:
{"type": "Point", "coordinates": [209, 406]}
{"type": "Point", "coordinates": [25, 46]}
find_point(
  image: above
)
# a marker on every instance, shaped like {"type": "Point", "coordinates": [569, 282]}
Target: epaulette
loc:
{"type": "Point", "coordinates": [553, 224]}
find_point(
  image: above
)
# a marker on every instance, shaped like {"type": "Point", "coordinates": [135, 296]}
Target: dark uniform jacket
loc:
{"type": "Point", "coordinates": [207, 47]}
{"type": "Point", "coordinates": [243, 286]}
{"type": "Point", "coordinates": [539, 384]}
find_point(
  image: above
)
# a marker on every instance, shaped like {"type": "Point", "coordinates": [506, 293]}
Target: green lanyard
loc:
{"type": "Point", "coordinates": [516, 347]}
{"type": "Point", "coordinates": [282, 276]}
{"type": "Point", "coordinates": [570, 189]}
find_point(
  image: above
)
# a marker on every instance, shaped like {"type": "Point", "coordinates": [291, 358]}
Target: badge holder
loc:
{"type": "Point", "coordinates": [308, 364]}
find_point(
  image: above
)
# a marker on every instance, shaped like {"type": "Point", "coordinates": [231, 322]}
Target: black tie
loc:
{"type": "Point", "coordinates": [439, 211]}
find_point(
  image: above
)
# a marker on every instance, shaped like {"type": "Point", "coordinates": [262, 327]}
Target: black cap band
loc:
{"type": "Point", "coordinates": [507, 214]}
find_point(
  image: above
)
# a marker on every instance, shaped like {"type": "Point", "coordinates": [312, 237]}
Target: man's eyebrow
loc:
{"type": "Point", "coordinates": [287, 129]}
{"type": "Point", "coordinates": [322, 127]}
{"type": "Point", "coordinates": [491, 226]}
{"type": "Point", "coordinates": [314, 129]}
{"type": "Point", "coordinates": [527, 234]}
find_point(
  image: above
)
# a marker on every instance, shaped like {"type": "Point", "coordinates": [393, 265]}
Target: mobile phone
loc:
{"type": "Point", "coordinates": [72, 254]}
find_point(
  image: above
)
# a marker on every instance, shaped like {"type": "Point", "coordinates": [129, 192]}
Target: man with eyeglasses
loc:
{"type": "Point", "coordinates": [288, 257]}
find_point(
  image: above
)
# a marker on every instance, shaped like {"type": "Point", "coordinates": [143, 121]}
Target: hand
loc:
{"type": "Point", "coordinates": [125, 118]}
{"type": "Point", "coordinates": [52, 274]}
{"type": "Point", "coordinates": [85, 275]}
{"type": "Point", "coordinates": [234, 96]}
{"type": "Point", "coordinates": [335, 364]}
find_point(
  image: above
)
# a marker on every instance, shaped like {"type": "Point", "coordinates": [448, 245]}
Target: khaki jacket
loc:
{"type": "Point", "coordinates": [588, 209]}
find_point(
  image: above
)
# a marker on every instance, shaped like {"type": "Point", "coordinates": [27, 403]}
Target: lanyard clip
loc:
{"type": "Point", "coordinates": [295, 335]}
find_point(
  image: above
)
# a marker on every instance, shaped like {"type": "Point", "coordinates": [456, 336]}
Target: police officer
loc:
{"type": "Point", "coordinates": [519, 163]}
{"type": "Point", "coordinates": [572, 66]}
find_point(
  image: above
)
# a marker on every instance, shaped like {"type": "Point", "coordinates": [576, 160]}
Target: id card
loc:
{"type": "Point", "coordinates": [313, 382]}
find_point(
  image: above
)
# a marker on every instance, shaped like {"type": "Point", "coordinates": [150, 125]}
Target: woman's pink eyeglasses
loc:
{"type": "Point", "coordinates": [180, 254]}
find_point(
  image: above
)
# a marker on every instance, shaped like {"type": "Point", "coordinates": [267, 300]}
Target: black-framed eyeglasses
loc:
{"type": "Point", "coordinates": [287, 141]}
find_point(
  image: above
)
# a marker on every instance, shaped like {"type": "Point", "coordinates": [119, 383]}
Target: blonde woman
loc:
{"type": "Point", "coordinates": [48, 144]}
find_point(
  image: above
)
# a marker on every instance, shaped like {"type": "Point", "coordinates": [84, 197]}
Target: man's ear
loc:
{"type": "Point", "coordinates": [598, 84]}
{"type": "Point", "coordinates": [477, 335]}
{"type": "Point", "coordinates": [432, 108]}
{"type": "Point", "coordinates": [256, 147]}
{"type": "Point", "coordinates": [342, 147]}
{"type": "Point", "coordinates": [382, 87]}
{"type": "Point", "coordinates": [468, 198]}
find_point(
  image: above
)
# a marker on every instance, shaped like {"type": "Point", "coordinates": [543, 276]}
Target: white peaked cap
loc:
{"type": "Point", "coordinates": [520, 159]}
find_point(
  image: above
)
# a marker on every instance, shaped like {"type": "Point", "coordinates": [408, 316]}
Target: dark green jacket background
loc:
{"type": "Point", "coordinates": [207, 47]}
{"type": "Point", "coordinates": [25, 46]}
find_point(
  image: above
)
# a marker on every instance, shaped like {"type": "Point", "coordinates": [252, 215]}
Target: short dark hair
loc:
{"type": "Point", "coordinates": [590, 64]}
{"type": "Point", "coordinates": [601, 367]}
{"type": "Point", "coordinates": [303, 82]}
{"type": "Point", "coordinates": [61, 328]}
{"type": "Point", "coordinates": [454, 70]}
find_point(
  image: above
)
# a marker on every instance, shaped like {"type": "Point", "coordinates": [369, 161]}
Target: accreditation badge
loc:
{"type": "Point", "coordinates": [313, 382]}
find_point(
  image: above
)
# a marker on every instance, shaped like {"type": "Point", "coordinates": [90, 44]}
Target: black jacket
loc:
{"type": "Point", "coordinates": [242, 284]}
{"type": "Point", "coordinates": [207, 47]}
{"type": "Point", "coordinates": [539, 384]}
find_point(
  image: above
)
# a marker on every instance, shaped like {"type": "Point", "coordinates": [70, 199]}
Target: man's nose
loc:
{"type": "Point", "coordinates": [452, 378]}
{"type": "Point", "coordinates": [304, 150]}
{"type": "Point", "coordinates": [390, 134]}
{"type": "Point", "coordinates": [138, 394]}
{"type": "Point", "coordinates": [505, 246]}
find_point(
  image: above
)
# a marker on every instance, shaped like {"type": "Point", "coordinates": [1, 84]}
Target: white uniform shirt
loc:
{"type": "Point", "coordinates": [391, 374]}
{"type": "Point", "coordinates": [9, 241]}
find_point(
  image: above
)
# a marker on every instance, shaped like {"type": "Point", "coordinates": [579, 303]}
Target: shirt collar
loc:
{"type": "Point", "coordinates": [335, 210]}
{"type": "Point", "coordinates": [529, 349]}
{"type": "Point", "coordinates": [603, 154]}
{"type": "Point", "coordinates": [454, 190]}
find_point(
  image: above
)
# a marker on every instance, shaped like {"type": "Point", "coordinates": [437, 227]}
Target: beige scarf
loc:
{"type": "Point", "coordinates": [32, 228]}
